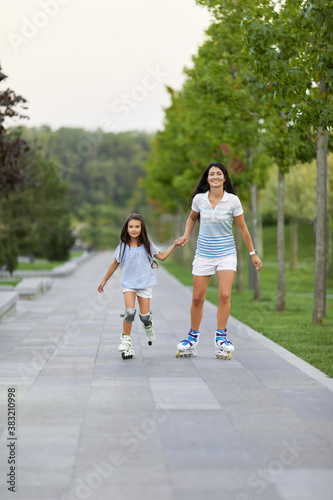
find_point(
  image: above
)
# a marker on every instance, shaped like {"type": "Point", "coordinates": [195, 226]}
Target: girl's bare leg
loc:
{"type": "Point", "coordinates": [144, 305]}
{"type": "Point", "coordinates": [129, 298]}
{"type": "Point", "coordinates": [226, 279]}
{"type": "Point", "coordinates": [200, 284]}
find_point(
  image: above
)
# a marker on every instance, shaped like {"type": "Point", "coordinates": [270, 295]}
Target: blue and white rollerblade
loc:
{"type": "Point", "coordinates": [223, 346]}
{"type": "Point", "coordinates": [188, 346]}
{"type": "Point", "coordinates": [126, 346]}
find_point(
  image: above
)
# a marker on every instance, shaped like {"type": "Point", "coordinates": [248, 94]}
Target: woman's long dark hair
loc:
{"type": "Point", "coordinates": [203, 185]}
{"type": "Point", "coordinates": [143, 238]}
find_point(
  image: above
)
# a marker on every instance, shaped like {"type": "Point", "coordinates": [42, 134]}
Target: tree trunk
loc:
{"type": "Point", "coordinates": [320, 273]}
{"type": "Point", "coordinates": [293, 243]}
{"type": "Point", "coordinates": [254, 234]}
{"type": "Point", "coordinates": [178, 230]}
{"type": "Point", "coordinates": [281, 288]}
{"type": "Point", "coordinates": [239, 274]}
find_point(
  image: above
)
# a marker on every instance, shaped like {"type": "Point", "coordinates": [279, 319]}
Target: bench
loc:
{"type": "Point", "coordinates": [7, 303]}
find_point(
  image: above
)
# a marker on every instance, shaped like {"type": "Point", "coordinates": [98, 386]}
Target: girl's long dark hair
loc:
{"type": "Point", "coordinates": [143, 238]}
{"type": "Point", "coordinates": [203, 185]}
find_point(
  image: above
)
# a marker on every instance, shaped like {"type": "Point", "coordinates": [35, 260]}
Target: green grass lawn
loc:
{"type": "Point", "coordinates": [12, 282]}
{"type": "Point", "coordinates": [292, 329]}
{"type": "Point", "coordinates": [44, 264]}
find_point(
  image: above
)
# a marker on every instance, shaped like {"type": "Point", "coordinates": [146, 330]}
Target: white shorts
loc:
{"type": "Point", "coordinates": [206, 266]}
{"type": "Point", "coordinates": [146, 293]}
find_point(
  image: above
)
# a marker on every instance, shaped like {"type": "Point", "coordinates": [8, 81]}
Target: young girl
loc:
{"type": "Point", "coordinates": [136, 253]}
{"type": "Point", "coordinates": [216, 205]}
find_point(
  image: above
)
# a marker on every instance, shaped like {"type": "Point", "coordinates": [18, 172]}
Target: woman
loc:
{"type": "Point", "coordinates": [215, 204]}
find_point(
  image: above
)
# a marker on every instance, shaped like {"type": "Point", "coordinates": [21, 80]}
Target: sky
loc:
{"type": "Point", "coordinates": [98, 63]}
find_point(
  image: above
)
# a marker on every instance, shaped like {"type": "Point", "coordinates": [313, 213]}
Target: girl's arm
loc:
{"type": "Point", "coordinates": [164, 255]}
{"type": "Point", "coordinates": [109, 273]}
{"type": "Point", "coordinates": [244, 232]}
{"type": "Point", "coordinates": [190, 223]}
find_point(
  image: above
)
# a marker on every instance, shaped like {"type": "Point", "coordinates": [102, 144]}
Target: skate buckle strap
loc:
{"type": "Point", "coordinates": [223, 339]}
{"type": "Point", "coordinates": [191, 339]}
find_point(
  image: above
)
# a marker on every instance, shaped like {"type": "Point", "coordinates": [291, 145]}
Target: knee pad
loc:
{"type": "Point", "coordinates": [146, 318]}
{"type": "Point", "coordinates": [129, 315]}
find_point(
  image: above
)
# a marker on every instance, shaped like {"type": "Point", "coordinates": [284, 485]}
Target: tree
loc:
{"type": "Point", "coordinates": [215, 116]}
{"type": "Point", "coordinates": [290, 45]}
{"type": "Point", "coordinates": [35, 218]}
{"type": "Point", "coordinates": [11, 147]}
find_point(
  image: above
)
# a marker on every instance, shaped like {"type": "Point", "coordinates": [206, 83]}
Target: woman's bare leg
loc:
{"type": "Point", "coordinates": [226, 279]}
{"type": "Point", "coordinates": [200, 284]}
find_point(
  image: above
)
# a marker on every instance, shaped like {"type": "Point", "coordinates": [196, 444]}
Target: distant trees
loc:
{"type": "Point", "coordinates": [34, 204]}
{"type": "Point", "coordinates": [11, 147]}
{"type": "Point", "coordinates": [104, 173]}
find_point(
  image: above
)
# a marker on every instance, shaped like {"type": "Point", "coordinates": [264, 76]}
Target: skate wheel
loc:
{"type": "Point", "coordinates": [177, 354]}
{"type": "Point", "coordinates": [229, 355]}
{"type": "Point", "coordinates": [150, 342]}
{"type": "Point", "coordinates": [125, 355]}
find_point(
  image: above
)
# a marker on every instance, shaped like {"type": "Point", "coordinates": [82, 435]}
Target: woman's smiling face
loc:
{"type": "Point", "coordinates": [215, 177]}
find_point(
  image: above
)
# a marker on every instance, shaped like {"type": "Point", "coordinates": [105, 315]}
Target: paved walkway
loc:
{"type": "Point", "coordinates": [90, 425]}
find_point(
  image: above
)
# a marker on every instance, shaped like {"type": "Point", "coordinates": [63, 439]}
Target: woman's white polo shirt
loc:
{"type": "Point", "coordinates": [215, 237]}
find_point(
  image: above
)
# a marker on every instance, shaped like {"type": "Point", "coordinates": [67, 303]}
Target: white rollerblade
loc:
{"type": "Point", "coordinates": [187, 347]}
{"type": "Point", "coordinates": [149, 332]}
{"type": "Point", "coordinates": [126, 346]}
{"type": "Point", "coordinates": [223, 346]}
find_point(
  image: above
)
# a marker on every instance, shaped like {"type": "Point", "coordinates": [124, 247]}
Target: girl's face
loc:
{"type": "Point", "coordinates": [215, 177]}
{"type": "Point", "coordinates": [134, 228]}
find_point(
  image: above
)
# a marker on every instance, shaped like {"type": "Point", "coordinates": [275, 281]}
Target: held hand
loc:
{"type": "Point", "coordinates": [101, 286]}
{"type": "Point", "coordinates": [178, 242]}
{"type": "Point", "coordinates": [256, 262]}
{"type": "Point", "coordinates": [182, 241]}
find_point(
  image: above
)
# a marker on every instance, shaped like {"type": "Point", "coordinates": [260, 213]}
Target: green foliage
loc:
{"type": "Point", "coordinates": [36, 216]}
{"type": "Point", "coordinates": [104, 173]}
{"type": "Point", "coordinates": [299, 190]}
{"type": "Point", "coordinates": [291, 45]}
{"type": "Point", "coordinates": [216, 116]}
{"type": "Point", "coordinates": [56, 243]}
{"type": "Point", "coordinates": [9, 253]}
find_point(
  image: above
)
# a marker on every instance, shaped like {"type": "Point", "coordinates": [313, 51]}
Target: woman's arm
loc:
{"type": "Point", "coordinates": [244, 232]}
{"type": "Point", "coordinates": [190, 223]}
{"type": "Point", "coordinates": [109, 273]}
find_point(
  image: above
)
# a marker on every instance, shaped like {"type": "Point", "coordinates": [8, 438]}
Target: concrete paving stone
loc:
{"type": "Point", "coordinates": [79, 349]}
{"type": "Point", "coordinates": [306, 484]}
{"type": "Point", "coordinates": [128, 368]}
{"type": "Point", "coordinates": [18, 370]}
{"type": "Point", "coordinates": [76, 370]}
{"type": "Point", "coordinates": [199, 441]}
{"type": "Point", "coordinates": [22, 325]}
{"type": "Point", "coordinates": [60, 319]}
{"type": "Point", "coordinates": [183, 393]}
{"type": "Point", "coordinates": [116, 397]}
{"type": "Point", "coordinates": [155, 368]}
{"type": "Point", "coordinates": [218, 483]}
{"type": "Point", "coordinates": [269, 365]}
{"type": "Point", "coordinates": [61, 390]}
{"type": "Point", "coordinates": [63, 412]}
{"type": "Point", "coordinates": [314, 405]}
{"type": "Point", "coordinates": [118, 483]}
